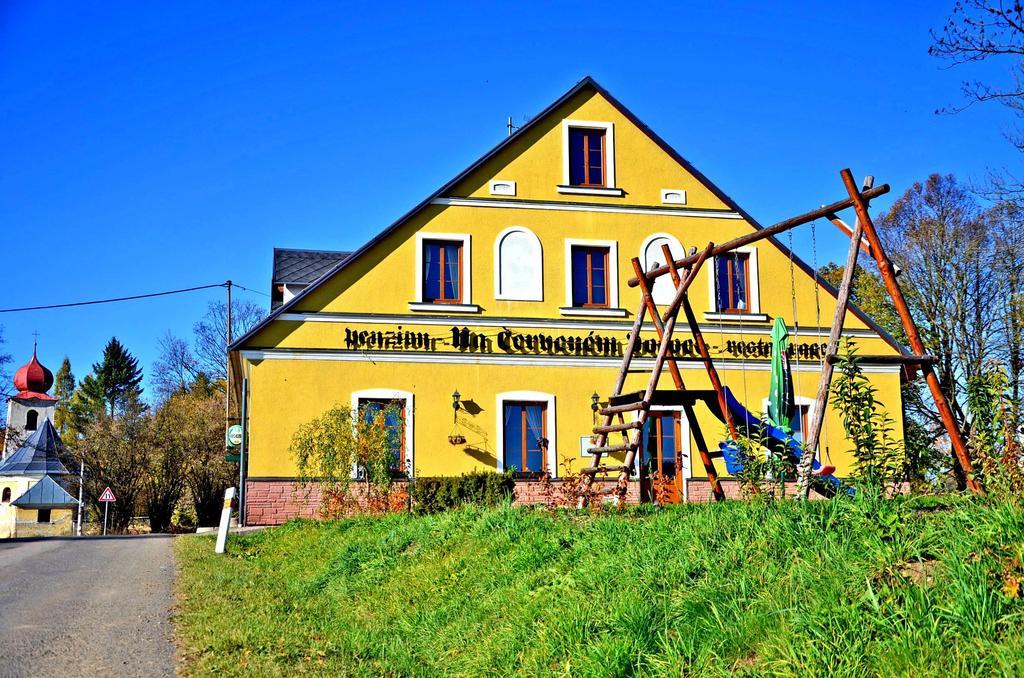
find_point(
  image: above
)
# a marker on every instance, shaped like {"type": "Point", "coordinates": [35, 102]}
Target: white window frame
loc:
{"type": "Point", "coordinates": [798, 401]}
{"type": "Point", "coordinates": [754, 312]}
{"type": "Point", "coordinates": [610, 188]}
{"type": "Point", "coordinates": [643, 252]}
{"type": "Point", "coordinates": [467, 305]}
{"type": "Point", "coordinates": [391, 394]}
{"type": "Point", "coordinates": [613, 309]}
{"type": "Point", "coordinates": [498, 293]}
{"type": "Point", "coordinates": [684, 436]}
{"type": "Point", "coordinates": [551, 419]}
{"type": "Point", "coordinates": [291, 290]}
{"type": "Point", "coordinates": [501, 187]}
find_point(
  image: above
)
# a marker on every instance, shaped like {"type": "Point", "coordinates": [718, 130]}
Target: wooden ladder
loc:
{"type": "Point", "coordinates": [631, 431]}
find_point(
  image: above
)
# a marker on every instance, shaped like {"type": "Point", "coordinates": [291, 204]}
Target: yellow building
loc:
{"type": "Point", "coordinates": [508, 286]}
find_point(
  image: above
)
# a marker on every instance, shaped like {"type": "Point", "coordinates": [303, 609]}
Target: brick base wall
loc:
{"type": "Point", "coordinates": [273, 502]}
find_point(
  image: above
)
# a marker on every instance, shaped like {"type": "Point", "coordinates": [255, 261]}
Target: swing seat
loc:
{"type": "Point", "coordinates": [824, 470]}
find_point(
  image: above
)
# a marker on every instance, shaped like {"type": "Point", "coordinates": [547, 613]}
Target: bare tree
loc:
{"type": "Point", "coordinates": [1007, 225]}
{"type": "Point", "coordinates": [981, 30]}
{"type": "Point", "coordinates": [6, 386]}
{"type": "Point", "coordinates": [175, 369]}
{"type": "Point", "coordinates": [210, 336]}
{"type": "Point", "coordinates": [181, 362]}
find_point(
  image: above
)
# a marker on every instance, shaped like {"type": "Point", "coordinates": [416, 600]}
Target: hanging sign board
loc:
{"type": "Point", "coordinates": [234, 435]}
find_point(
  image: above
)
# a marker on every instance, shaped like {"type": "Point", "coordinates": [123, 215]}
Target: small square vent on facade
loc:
{"type": "Point", "coordinates": [499, 187]}
{"type": "Point", "coordinates": [673, 196]}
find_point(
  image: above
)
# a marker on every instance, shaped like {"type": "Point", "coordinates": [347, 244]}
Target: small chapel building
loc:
{"type": "Point", "coordinates": [33, 498]}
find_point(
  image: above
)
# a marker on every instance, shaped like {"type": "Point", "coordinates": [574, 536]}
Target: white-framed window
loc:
{"type": "Point", "coordinates": [592, 278]}
{"type": "Point", "coordinates": [734, 286]}
{"type": "Point", "coordinates": [651, 255]}
{"type": "Point", "coordinates": [518, 265]}
{"type": "Point", "coordinates": [502, 187]}
{"type": "Point", "coordinates": [588, 158]}
{"type": "Point", "coordinates": [444, 273]}
{"type": "Point", "coordinates": [366, 401]}
{"type": "Point", "coordinates": [801, 422]}
{"type": "Point", "coordinates": [524, 418]}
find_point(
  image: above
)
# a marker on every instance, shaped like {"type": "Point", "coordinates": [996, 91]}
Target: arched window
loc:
{"type": "Point", "coordinates": [6, 499]}
{"type": "Point", "coordinates": [650, 253]}
{"type": "Point", "coordinates": [518, 265]}
{"type": "Point", "coordinates": [31, 420]}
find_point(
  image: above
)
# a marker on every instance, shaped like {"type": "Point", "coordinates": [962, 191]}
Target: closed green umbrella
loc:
{"type": "Point", "coordinates": [780, 395]}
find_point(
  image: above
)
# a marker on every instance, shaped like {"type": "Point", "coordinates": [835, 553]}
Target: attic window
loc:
{"type": "Point", "coordinates": [588, 158]}
{"type": "Point", "coordinates": [444, 273]}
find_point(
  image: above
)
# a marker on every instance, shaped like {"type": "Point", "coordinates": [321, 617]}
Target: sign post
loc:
{"type": "Point", "coordinates": [106, 498]}
{"type": "Point", "coordinates": [225, 521]}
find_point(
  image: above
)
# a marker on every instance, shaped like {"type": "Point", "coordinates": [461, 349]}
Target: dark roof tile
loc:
{"type": "Point", "coordinates": [303, 266]}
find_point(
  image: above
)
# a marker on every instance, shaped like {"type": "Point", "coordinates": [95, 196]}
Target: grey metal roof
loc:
{"type": "Point", "coordinates": [303, 266]}
{"type": "Point", "coordinates": [37, 456]}
{"type": "Point", "coordinates": [47, 493]}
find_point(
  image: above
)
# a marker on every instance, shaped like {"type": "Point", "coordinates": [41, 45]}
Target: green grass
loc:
{"type": "Point", "coordinates": [833, 588]}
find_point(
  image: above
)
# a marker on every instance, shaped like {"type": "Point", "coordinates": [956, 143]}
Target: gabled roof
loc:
{"type": "Point", "coordinates": [38, 456]}
{"type": "Point", "coordinates": [47, 493]}
{"type": "Point", "coordinates": [586, 82]}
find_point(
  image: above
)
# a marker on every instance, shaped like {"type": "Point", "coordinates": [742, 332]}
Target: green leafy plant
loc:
{"type": "Point", "coordinates": [879, 456]}
{"type": "Point", "coordinates": [340, 446]}
{"type": "Point", "coordinates": [992, 439]}
{"type": "Point", "coordinates": [761, 471]}
{"type": "Point", "coordinates": [482, 488]}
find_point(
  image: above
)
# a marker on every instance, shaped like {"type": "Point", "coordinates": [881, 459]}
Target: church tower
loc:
{"type": "Point", "coordinates": [31, 406]}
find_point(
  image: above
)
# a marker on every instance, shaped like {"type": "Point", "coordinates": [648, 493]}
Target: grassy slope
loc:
{"type": "Point", "coordinates": [693, 589]}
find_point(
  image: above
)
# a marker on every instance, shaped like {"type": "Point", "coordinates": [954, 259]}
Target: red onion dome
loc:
{"type": "Point", "coordinates": [32, 376]}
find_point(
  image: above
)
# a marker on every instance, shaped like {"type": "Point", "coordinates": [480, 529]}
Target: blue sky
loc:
{"type": "Point", "coordinates": [149, 146]}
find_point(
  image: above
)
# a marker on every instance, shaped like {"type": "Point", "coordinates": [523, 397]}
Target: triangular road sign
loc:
{"type": "Point", "coordinates": [107, 495]}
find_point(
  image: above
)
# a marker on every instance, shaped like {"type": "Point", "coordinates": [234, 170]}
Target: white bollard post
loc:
{"type": "Point", "coordinates": [225, 521]}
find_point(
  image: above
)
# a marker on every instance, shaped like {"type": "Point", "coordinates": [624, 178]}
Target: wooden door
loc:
{"type": "Point", "coordinates": [663, 458]}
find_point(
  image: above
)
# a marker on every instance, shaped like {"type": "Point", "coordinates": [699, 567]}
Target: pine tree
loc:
{"type": "Point", "coordinates": [63, 390]}
{"type": "Point", "coordinates": [114, 380]}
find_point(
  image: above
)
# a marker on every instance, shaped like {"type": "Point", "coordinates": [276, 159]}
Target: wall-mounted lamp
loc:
{"type": "Point", "coordinates": [455, 404]}
{"type": "Point", "coordinates": [595, 402]}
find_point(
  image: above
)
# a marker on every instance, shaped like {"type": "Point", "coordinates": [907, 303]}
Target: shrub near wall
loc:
{"type": "Point", "coordinates": [484, 488]}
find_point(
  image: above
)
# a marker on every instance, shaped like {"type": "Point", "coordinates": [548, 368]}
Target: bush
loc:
{"type": "Point", "coordinates": [483, 488]}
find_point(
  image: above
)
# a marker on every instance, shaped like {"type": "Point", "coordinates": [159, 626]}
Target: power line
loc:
{"type": "Point", "coordinates": [116, 299]}
{"type": "Point", "coordinates": [243, 287]}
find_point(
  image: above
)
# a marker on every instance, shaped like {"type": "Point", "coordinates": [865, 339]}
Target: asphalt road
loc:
{"type": "Point", "coordinates": [81, 607]}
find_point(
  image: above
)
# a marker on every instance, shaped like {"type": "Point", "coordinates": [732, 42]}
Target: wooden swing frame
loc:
{"type": "Point", "coordinates": [683, 272]}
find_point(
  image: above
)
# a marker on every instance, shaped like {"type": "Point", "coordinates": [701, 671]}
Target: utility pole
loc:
{"type": "Point", "coordinates": [81, 506]}
{"type": "Point", "coordinates": [227, 368]}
